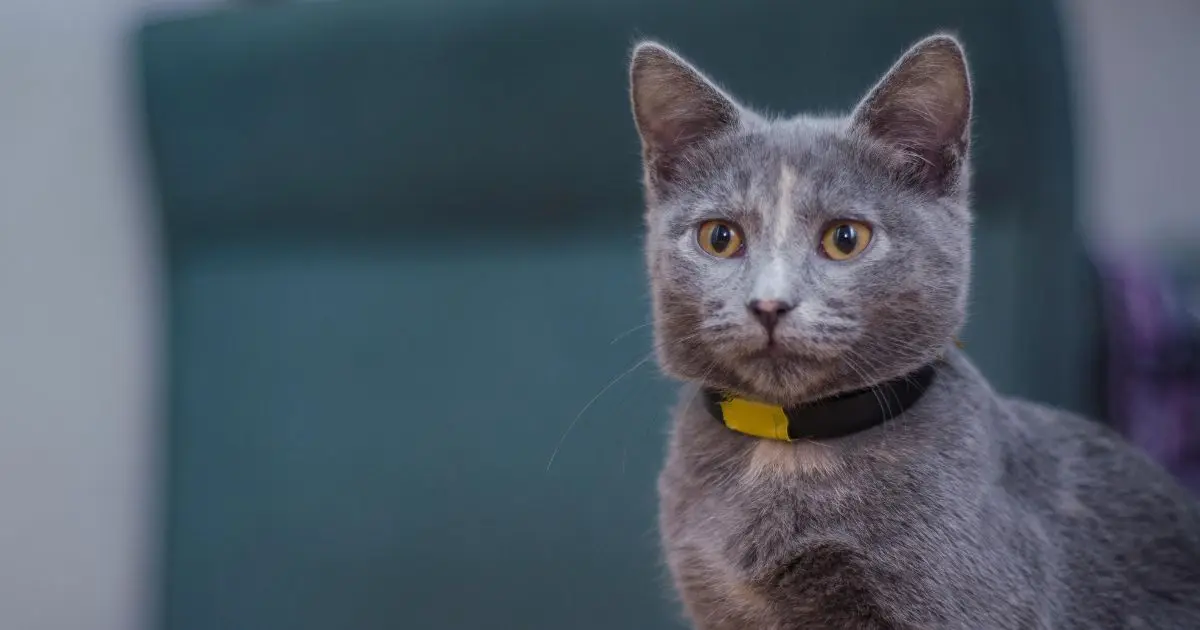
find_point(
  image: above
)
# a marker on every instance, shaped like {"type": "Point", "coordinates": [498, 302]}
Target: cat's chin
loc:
{"type": "Point", "coordinates": [783, 372]}
{"type": "Point", "coordinates": [777, 353]}
{"type": "Point", "coordinates": [781, 376]}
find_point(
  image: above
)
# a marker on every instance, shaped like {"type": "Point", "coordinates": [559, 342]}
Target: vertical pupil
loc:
{"type": "Point", "coordinates": [845, 239]}
{"type": "Point", "coordinates": [720, 238]}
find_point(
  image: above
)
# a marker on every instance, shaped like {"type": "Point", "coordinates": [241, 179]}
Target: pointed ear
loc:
{"type": "Point", "coordinates": [674, 107]}
{"type": "Point", "coordinates": [922, 109]}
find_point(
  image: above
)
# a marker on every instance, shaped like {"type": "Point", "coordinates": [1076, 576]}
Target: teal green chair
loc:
{"type": "Point", "coordinates": [405, 274]}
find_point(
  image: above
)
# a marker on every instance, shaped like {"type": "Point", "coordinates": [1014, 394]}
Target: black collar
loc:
{"type": "Point", "coordinates": [826, 418]}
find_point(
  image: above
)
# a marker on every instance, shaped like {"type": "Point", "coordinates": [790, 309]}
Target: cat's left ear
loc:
{"type": "Point", "coordinates": [922, 110]}
{"type": "Point", "coordinates": [675, 107]}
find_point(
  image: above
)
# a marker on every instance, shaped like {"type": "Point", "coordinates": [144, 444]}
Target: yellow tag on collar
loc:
{"type": "Point", "coordinates": [755, 418]}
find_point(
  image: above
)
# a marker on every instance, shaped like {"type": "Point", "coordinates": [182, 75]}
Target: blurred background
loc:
{"type": "Point", "coordinates": [298, 300]}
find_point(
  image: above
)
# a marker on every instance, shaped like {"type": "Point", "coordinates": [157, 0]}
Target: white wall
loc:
{"type": "Point", "coordinates": [1136, 68]}
{"type": "Point", "coordinates": [78, 354]}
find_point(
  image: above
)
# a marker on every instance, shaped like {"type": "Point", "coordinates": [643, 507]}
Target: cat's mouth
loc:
{"type": "Point", "coordinates": [771, 349]}
{"type": "Point", "coordinates": [778, 353]}
{"type": "Point", "coordinates": [776, 366]}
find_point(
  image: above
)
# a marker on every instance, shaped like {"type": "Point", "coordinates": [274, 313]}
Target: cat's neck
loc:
{"type": "Point", "coordinates": [939, 417]}
{"type": "Point", "coordinates": [824, 418]}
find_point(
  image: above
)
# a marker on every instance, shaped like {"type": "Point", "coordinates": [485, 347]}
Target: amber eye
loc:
{"type": "Point", "coordinates": [720, 238]}
{"type": "Point", "coordinates": [844, 240]}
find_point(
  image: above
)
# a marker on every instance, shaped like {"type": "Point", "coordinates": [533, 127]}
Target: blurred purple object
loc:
{"type": "Point", "coordinates": [1154, 371]}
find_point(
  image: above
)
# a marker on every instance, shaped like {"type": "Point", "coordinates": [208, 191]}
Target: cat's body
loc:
{"type": "Point", "coordinates": [969, 511]}
{"type": "Point", "coordinates": [792, 260]}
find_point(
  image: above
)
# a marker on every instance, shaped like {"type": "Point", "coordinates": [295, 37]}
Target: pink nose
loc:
{"type": "Point", "coordinates": [768, 312]}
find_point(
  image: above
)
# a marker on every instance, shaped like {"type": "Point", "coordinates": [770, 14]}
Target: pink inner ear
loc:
{"type": "Point", "coordinates": [928, 110]}
{"type": "Point", "coordinates": [684, 122]}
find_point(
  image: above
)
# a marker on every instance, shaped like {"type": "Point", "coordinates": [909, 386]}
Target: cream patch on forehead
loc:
{"type": "Point", "coordinates": [785, 215]}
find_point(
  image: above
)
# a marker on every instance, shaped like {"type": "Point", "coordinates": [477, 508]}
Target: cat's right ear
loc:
{"type": "Point", "coordinates": [922, 109]}
{"type": "Point", "coordinates": [674, 107]}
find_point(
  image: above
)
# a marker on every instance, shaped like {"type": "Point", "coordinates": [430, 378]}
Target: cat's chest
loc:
{"type": "Point", "coordinates": [766, 517]}
{"type": "Point", "coordinates": [776, 555]}
{"type": "Point", "coordinates": [820, 583]}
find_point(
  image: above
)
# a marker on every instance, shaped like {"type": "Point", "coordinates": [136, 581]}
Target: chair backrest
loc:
{"type": "Point", "coordinates": [404, 261]}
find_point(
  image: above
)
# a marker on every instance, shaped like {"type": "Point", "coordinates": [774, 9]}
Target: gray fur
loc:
{"type": "Point", "coordinates": [970, 510]}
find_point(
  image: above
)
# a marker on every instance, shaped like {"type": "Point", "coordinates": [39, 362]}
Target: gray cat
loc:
{"type": "Point", "coordinates": [802, 266]}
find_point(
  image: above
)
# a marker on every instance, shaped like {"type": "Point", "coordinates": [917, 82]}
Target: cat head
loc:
{"type": "Point", "coordinates": [801, 257]}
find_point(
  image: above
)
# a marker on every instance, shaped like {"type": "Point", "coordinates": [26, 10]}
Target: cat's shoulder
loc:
{"type": "Point", "coordinates": [1095, 463]}
{"type": "Point", "coordinates": [1087, 437]}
